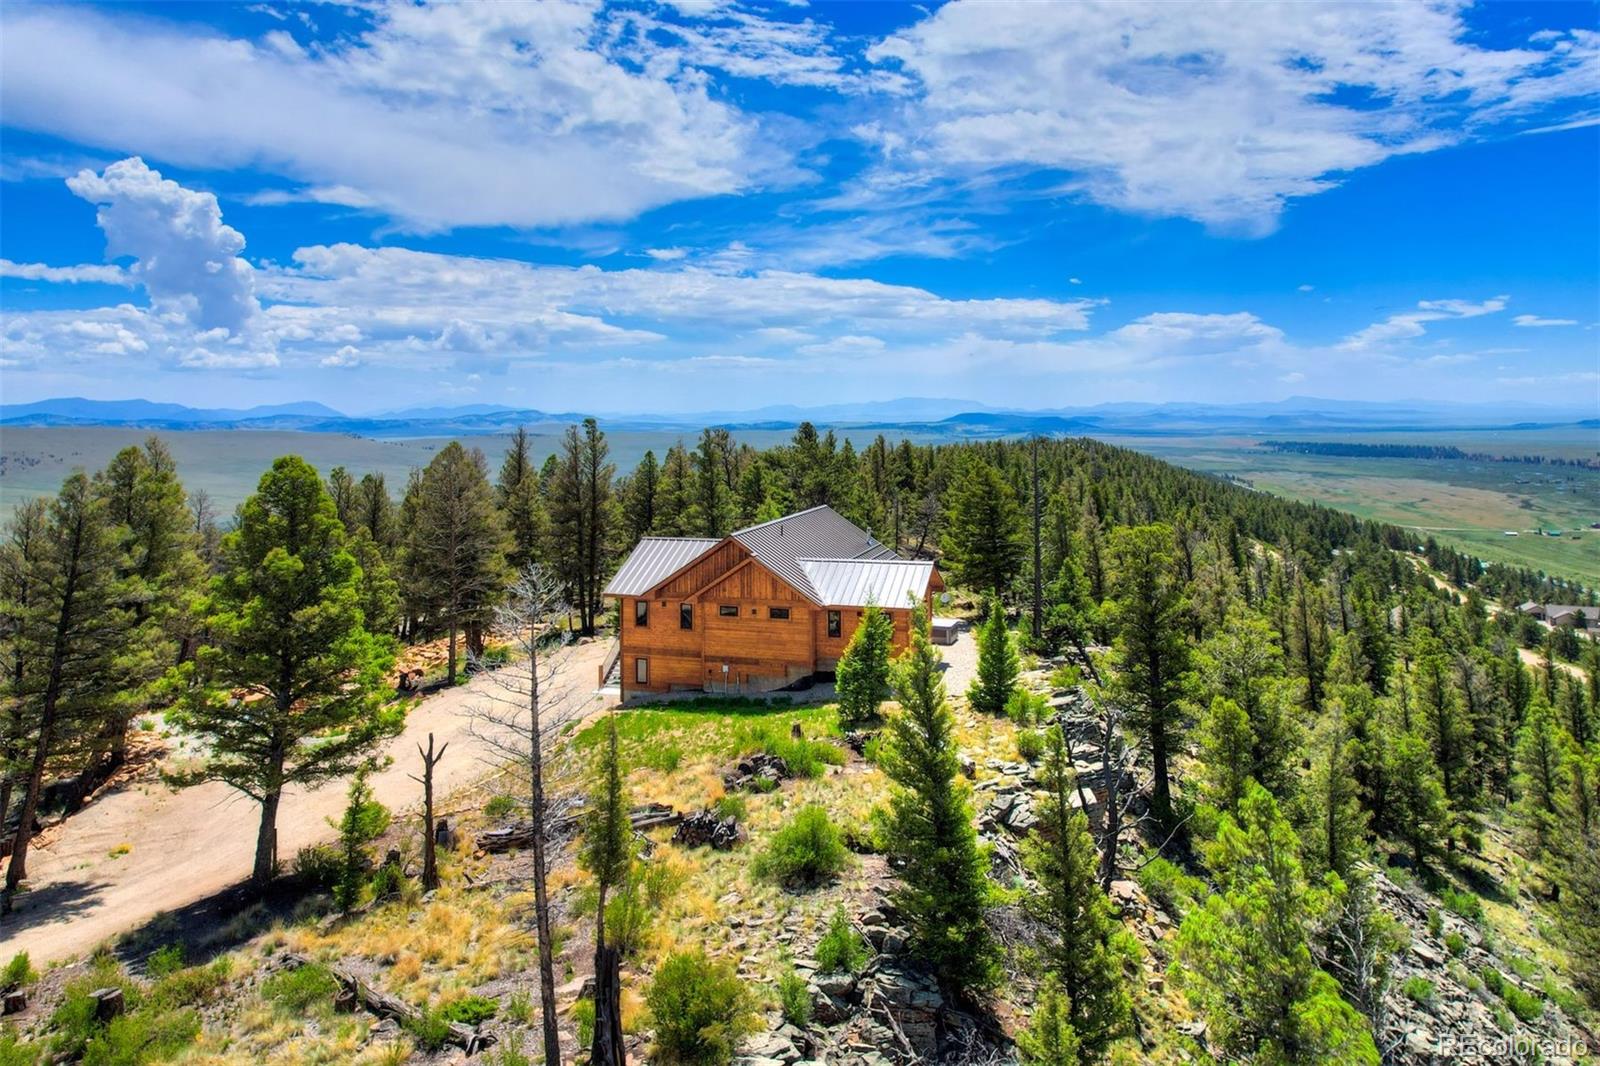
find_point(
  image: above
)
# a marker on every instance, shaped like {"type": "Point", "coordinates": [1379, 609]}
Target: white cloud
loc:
{"type": "Point", "coordinates": [1306, 288]}
{"type": "Point", "coordinates": [666, 255]}
{"type": "Point", "coordinates": [346, 357]}
{"type": "Point", "coordinates": [1412, 324]}
{"type": "Point", "coordinates": [447, 115]}
{"type": "Point", "coordinates": [1534, 321]}
{"type": "Point", "coordinates": [1180, 109]}
{"type": "Point", "coordinates": [91, 272]}
{"type": "Point", "coordinates": [186, 258]}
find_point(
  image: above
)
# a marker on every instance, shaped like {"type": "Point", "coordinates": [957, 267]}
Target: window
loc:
{"type": "Point", "coordinates": [780, 613]}
{"type": "Point", "coordinates": [835, 625]}
{"type": "Point", "coordinates": [641, 612]}
{"type": "Point", "coordinates": [728, 610]}
{"type": "Point", "coordinates": [685, 616]}
{"type": "Point", "coordinates": [641, 671]}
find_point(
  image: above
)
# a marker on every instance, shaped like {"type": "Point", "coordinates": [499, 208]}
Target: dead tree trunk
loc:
{"type": "Point", "coordinates": [1038, 563]}
{"type": "Point", "coordinates": [430, 867]}
{"type": "Point", "coordinates": [608, 1049]}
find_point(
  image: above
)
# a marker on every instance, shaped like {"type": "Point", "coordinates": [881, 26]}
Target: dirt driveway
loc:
{"type": "Point", "coordinates": [189, 845]}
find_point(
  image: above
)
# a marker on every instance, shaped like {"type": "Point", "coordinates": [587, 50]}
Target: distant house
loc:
{"type": "Point", "coordinates": [759, 609]}
{"type": "Point", "coordinates": [1531, 609]}
{"type": "Point", "coordinates": [1562, 614]}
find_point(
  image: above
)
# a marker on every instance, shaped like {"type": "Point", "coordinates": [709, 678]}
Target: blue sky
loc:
{"type": "Point", "coordinates": [720, 205]}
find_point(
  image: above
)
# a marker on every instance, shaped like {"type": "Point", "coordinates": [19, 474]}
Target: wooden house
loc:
{"type": "Point", "coordinates": [760, 609]}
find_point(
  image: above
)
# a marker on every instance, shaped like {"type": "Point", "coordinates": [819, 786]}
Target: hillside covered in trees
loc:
{"type": "Point", "coordinates": [1235, 777]}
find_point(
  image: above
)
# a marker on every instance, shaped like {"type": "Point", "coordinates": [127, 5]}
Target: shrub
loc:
{"type": "Point", "coordinates": [190, 987]}
{"type": "Point", "coordinates": [1435, 922]}
{"type": "Point", "coordinates": [519, 1006]}
{"type": "Point", "coordinates": [841, 947]}
{"type": "Point", "coordinates": [430, 1028]}
{"type": "Point", "coordinates": [317, 867]}
{"type": "Point", "coordinates": [794, 998]}
{"type": "Point", "coordinates": [803, 757]}
{"type": "Point", "coordinates": [807, 850]}
{"type": "Point", "coordinates": [302, 987]}
{"type": "Point", "coordinates": [1456, 944]}
{"type": "Point", "coordinates": [700, 1009]}
{"type": "Point", "coordinates": [73, 1021]}
{"type": "Point", "coordinates": [1167, 884]}
{"type": "Point", "coordinates": [388, 882]}
{"type": "Point", "coordinates": [470, 1010]}
{"type": "Point", "coordinates": [1030, 744]}
{"type": "Point", "coordinates": [1065, 677]}
{"type": "Point", "coordinates": [1525, 1005]}
{"type": "Point", "coordinates": [1418, 990]}
{"type": "Point", "coordinates": [18, 972]}
{"type": "Point", "coordinates": [1466, 904]}
{"type": "Point", "coordinates": [583, 1019]}
{"type": "Point", "coordinates": [1027, 709]}
{"type": "Point", "coordinates": [509, 1055]}
{"type": "Point", "coordinates": [165, 960]}
{"type": "Point", "coordinates": [142, 1036]}
{"type": "Point", "coordinates": [500, 807]}
{"type": "Point", "coordinates": [730, 805]}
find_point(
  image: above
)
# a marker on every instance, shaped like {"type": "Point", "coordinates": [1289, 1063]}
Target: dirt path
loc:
{"type": "Point", "coordinates": [189, 845]}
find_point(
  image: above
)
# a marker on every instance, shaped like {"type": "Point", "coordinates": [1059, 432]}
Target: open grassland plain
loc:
{"type": "Point", "coordinates": [1472, 504]}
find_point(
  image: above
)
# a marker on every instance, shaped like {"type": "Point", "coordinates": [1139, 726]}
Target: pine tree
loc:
{"type": "Point", "coordinates": [19, 560]}
{"type": "Point", "coordinates": [1419, 810]}
{"type": "Point", "coordinates": [457, 544]}
{"type": "Point", "coordinates": [1243, 956]}
{"type": "Point", "coordinates": [983, 537]}
{"type": "Point", "coordinates": [1330, 809]}
{"type": "Point", "coordinates": [363, 821]}
{"type": "Point", "coordinates": [1151, 653]}
{"type": "Point", "coordinates": [711, 514]}
{"type": "Point", "coordinates": [1085, 949]}
{"type": "Point", "coordinates": [862, 676]}
{"type": "Point", "coordinates": [1225, 741]}
{"type": "Point", "coordinates": [583, 519]}
{"type": "Point", "coordinates": [286, 629]}
{"type": "Point", "coordinates": [517, 494]}
{"type": "Point", "coordinates": [998, 664]}
{"type": "Point", "coordinates": [68, 639]}
{"type": "Point", "coordinates": [1540, 779]}
{"type": "Point", "coordinates": [375, 513]}
{"type": "Point", "coordinates": [1049, 1039]}
{"type": "Point", "coordinates": [606, 852]}
{"type": "Point", "coordinates": [639, 498]}
{"type": "Point", "coordinates": [944, 887]}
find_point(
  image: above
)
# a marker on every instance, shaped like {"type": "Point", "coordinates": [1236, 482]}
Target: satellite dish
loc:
{"type": "Point", "coordinates": [944, 599]}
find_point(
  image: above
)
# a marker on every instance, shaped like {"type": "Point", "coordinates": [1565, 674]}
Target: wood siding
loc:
{"type": "Point", "coordinates": [760, 652]}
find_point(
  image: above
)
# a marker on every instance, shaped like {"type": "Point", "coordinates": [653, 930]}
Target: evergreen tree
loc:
{"type": "Point", "coordinates": [711, 515]}
{"type": "Point", "coordinates": [1243, 956]}
{"type": "Point", "coordinates": [998, 664]}
{"type": "Point", "coordinates": [363, 821]}
{"type": "Point", "coordinates": [375, 513]}
{"type": "Point", "coordinates": [1419, 810]}
{"type": "Point", "coordinates": [607, 852]}
{"type": "Point", "coordinates": [1225, 742]}
{"type": "Point", "coordinates": [583, 519]}
{"type": "Point", "coordinates": [944, 887]}
{"type": "Point", "coordinates": [1151, 653]}
{"type": "Point", "coordinates": [1334, 836]}
{"type": "Point", "coordinates": [1049, 1039]}
{"type": "Point", "coordinates": [862, 676]}
{"type": "Point", "coordinates": [342, 487]}
{"type": "Point", "coordinates": [380, 593]}
{"type": "Point", "coordinates": [286, 629]}
{"type": "Point", "coordinates": [983, 536]}
{"type": "Point", "coordinates": [1540, 780]}
{"type": "Point", "coordinates": [1244, 663]}
{"type": "Point", "coordinates": [19, 576]}
{"type": "Point", "coordinates": [457, 544]}
{"type": "Point", "coordinates": [68, 638]}
{"type": "Point", "coordinates": [639, 498]}
{"type": "Point", "coordinates": [517, 494]}
{"type": "Point", "coordinates": [1086, 949]}
{"type": "Point", "coordinates": [675, 495]}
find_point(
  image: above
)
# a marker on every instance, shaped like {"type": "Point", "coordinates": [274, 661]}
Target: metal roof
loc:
{"type": "Point", "coordinates": [654, 560]}
{"type": "Point", "coordinates": [858, 582]}
{"type": "Point", "coordinates": [819, 533]}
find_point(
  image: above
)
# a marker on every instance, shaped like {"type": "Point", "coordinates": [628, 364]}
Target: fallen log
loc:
{"type": "Point", "coordinates": [468, 1038]}
{"type": "Point", "coordinates": [520, 834]}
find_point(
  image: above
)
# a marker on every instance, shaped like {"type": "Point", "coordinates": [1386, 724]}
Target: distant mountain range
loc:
{"type": "Point", "coordinates": [957, 419]}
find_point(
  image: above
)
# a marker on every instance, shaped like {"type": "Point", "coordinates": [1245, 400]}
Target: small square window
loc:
{"type": "Point", "coordinates": [835, 625]}
{"type": "Point", "coordinates": [641, 612]}
{"type": "Point", "coordinates": [728, 610]}
{"type": "Point", "coordinates": [685, 616]}
{"type": "Point", "coordinates": [780, 613]}
{"type": "Point", "coordinates": [641, 671]}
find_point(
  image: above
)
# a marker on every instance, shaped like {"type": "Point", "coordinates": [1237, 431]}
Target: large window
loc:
{"type": "Point", "coordinates": [686, 616]}
{"type": "Point", "coordinates": [728, 610]}
{"type": "Point", "coordinates": [779, 613]}
{"type": "Point", "coordinates": [641, 671]}
{"type": "Point", "coordinates": [641, 612]}
{"type": "Point", "coordinates": [835, 625]}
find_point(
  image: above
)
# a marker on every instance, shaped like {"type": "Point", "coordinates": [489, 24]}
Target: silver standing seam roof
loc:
{"type": "Point", "coordinates": [655, 559]}
{"type": "Point", "coordinates": [819, 551]}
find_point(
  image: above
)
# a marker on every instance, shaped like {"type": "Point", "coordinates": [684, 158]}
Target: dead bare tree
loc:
{"type": "Point", "coordinates": [430, 865]}
{"type": "Point", "coordinates": [529, 701]}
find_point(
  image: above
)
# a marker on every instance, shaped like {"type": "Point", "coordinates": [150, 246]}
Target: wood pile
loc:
{"type": "Point", "coordinates": [354, 991]}
{"type": "Point", "coordinates": [520, 834]}
{"type": "Point", "coordinates": [704, 827]}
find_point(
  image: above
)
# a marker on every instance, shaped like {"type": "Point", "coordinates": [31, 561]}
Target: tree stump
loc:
{"type": "Point", "coordinates": [14, 1002]}
{"type": "Point", "coordinates": [107, 1003]}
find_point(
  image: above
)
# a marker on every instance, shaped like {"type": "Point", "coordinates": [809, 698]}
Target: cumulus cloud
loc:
{"type": "Point", "coordinates": [184, 255]}
{"type": "Point", "coordinates": [439, 115]}
{"type": "Point", "coordinates": [1179, 110]}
